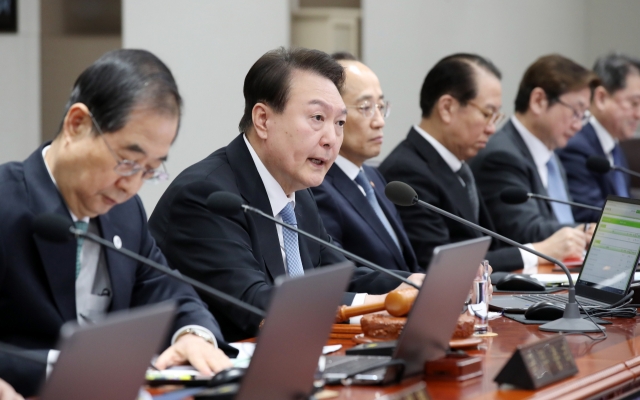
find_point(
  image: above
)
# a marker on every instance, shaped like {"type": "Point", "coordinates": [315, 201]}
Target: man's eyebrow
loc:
{"type": "Point", "coordinates": [324, 104]}
{"type": "Point", "coordinates": [137, 149]}
{"type": "Point", "coordinates": [368, 97]}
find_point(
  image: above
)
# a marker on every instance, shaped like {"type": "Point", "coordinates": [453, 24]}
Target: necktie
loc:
{"type": "Point", "coordinates": [83, 226]}
{"type": "Point", "coordinates": [619, 183]}
{"type": "Point", "coordinates": [363, 181]}
{"type": "Point", "coordinates": [290, 239]}
{"type": "Point", "coordinates": [557, 190]}
{"type": "Point", "coordinates": [470, 184]}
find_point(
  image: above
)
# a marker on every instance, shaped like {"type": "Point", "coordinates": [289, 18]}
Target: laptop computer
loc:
{"type": "Point", "coordinates": [107, 360]}
{"type": "Point", "coordinates": [608, 267]}
{"type": "Point", "coordinates": [432, 319]}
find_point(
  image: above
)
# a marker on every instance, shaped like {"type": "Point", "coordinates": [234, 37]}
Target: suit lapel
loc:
{"type": "Point", "coordinates": [253, 191]}
{"type": "Point", "coordinates": [58, 259]}
{"type": "Point", "coordinates": [121, 269]}
{"type": "Point", "coordinates": [594, 143]}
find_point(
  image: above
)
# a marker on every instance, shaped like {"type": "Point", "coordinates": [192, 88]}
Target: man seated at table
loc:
{"type": "Point", "coordinates": [291, 132]}
{"type": "Point", "coordinates": [460, 101]}
{"type": "Point", "coordinates": [119, 124]}
{"type": "Point", "coordinates": [550, 108]}
{"type": "Point", "coordinates": [351, 199]}
{"type": "Point", "coordinates": [615, 114]}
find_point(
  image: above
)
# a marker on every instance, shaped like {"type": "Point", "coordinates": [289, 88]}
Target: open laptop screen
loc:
{"type": "Point", "coordinates": [614, 250]}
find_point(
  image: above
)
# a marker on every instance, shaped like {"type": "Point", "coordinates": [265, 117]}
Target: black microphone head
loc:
{"type": "Point", "coordinates": [52, 227]}
{"type": "Point", "coordinates": [598, 164]}
{"type": "Point", "coordinates": [224, 203]}
{"type": "Point", "coordinates": [401, 194]}
{"type": "Point", "coordinates": [514, 196]}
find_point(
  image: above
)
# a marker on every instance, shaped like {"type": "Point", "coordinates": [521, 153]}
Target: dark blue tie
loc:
{"type": "Point", "coordinates": [363, 181]}
{"type": "Point", "coordinates": [619, 183]}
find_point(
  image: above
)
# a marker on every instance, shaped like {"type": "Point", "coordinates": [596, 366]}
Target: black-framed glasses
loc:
{"type": "Point", "coordinates": [368, 108]}
{"type": "Point", "coordinates": [126, 167]}
{"type": "Point", "coordinates": [577, 116]}
{"type": "Point", "coordinates": [492, 117]}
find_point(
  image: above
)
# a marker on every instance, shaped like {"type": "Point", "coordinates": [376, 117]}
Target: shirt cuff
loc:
{"type": "Point", "coordinates": [529, 260]}
{"type": "Point", "coordinates": [52, 358]}
{"type": "Point", "coordinates": [200, 329]}
{"type": "Point", "coordinates": [358, 300]}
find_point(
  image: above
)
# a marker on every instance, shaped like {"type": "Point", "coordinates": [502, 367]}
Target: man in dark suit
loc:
{"type": "Point", "coordinates": [290, 135]}
{"type": "Point", "coordinates": [118, 127]}
{"type": "Point", "coordinates": [460, 101]}
{"type": "Point", "coordinates": [549, 109]}
{"type": "Point", "coordinates": [615, 113]}
{"type": "Point", "coordinates": [351, 200]}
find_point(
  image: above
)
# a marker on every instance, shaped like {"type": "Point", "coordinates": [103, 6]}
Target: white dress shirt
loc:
{"type": "Point", "coordinates": [539, 151]}
{"type": "Point", "coordinates": [278, 200]}
{"type": "Point", "coordinates": [604, 137]}
{"type": "Point", "coordinates": [530, 261]}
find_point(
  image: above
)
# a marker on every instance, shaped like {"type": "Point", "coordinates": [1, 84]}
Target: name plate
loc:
{"type": "Point", "coordinates": [539, 364]}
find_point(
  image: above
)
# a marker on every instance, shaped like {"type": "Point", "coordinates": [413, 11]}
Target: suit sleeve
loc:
{"type": "Point", "coordinates": [583, 184]}
{"type": "Point", "coordinates": [330, 214]}
{"type": "Point", "coordinates": [523, 223]}
{"type": "Point", "coordinates": [152, 286]}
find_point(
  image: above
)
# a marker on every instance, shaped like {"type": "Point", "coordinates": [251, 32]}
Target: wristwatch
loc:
{"type": "Point", "coordinates": [198, 333]}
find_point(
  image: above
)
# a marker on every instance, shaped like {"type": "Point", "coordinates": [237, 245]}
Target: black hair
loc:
{"type": "Point", "coordinates": [453, 75]}
{"type": "Point", "coordinates": [121, 80]}
{"type": "Point", "coordinates": [268, 80]}
{"type": "Point", "coordinates": [613, 69]}
{"type": "Point", "coordinates": [343, 55]}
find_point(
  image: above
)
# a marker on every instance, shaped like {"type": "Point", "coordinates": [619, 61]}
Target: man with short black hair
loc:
{"type": "Point", "coordinates": [290, 135]}
{"type": "Point", "coordinates": [460, 99]}
{"type": "Point", "coordinates": [550, 108]}
{"type": "Point", "coordinates": [615, 114]}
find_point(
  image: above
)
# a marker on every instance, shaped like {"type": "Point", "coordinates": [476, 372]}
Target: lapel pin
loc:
{"type": "Point", "coordinates": [117, 241]}
{"type": "Point", "coordinates": [372, 184]}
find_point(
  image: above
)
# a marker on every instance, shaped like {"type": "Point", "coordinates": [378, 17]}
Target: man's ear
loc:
{"type": "Point", "coordinates": [260, 116]}
{"type": "Point", "coordinates": [445, 107]}
{"type": "Point", "coordinates": [77, 122]}
{"type": "Point", "coordinates": [600, 95]}
{"type": "Point", "coordinates": [538, 101]}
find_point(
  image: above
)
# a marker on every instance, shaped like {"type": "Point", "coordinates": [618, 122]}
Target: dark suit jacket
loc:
{"type": "Point", "coordinates": [507, 163]}
{"type": "Point", "coordinates": [415, 162]}
{"type": "Point", "coordinates": [586, 186]}
{"type": "Point", "coordinates": [240, 254]}
{"type": "Point", "coordinates": [37, 277]}
{"type": "Point", "coordinates": [351, 221]}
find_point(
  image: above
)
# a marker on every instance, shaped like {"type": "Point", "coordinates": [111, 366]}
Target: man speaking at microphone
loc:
{"type": "Point", "coordinates": [615, 114]}
{"type": "Point", "coordinates": [119, 123]}
{"type": "Point", "coordinates": [460, 101]}
{"type": "Point", "coordinates": [291, 132]}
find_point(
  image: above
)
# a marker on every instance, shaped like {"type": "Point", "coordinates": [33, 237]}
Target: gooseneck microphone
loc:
{"type": "Point", "coordinates": [403, 195]}
{"type": "Point", "coordinates": [229, 204]}
{"type": "Point", "coordinates": [517, 196]}
{"type": "Point", "coordinates": [56, 228]}
{"type": "Point", "coordinates": [601, 165]}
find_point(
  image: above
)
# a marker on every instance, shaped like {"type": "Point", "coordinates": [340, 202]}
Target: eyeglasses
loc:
{"type": "Point", "coordinates": [577, 116]}
{"type": "Point", "coordinates": [368, 108]}
{"type": "Point", "coordinates": [130, 168]}
{"type": "Point", "coordinates": [491, 117]}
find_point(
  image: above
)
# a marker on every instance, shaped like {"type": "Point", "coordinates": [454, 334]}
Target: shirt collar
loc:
{"type": "Point", "coordinates": [606, 140]}
{"type": "Point", "coordinates": [448, 157]}
{"type": "Point", "coordinates": [540, 153]}
{"type": "Point", "coordinates": [277, 198]}
{"type": "Point", "coordinates": [44, 152]}
{"type": "Point", "coordinates": [349, 168]}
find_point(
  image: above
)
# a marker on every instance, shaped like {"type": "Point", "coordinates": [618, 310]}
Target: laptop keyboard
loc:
{"type": "Point", "coordinates": [351, 364]}
{"type": "Point", "coordinates": [559, 299]}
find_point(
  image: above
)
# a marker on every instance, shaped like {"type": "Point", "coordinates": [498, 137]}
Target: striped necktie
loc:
{"type": "Point", "coordinates": [290, 239]}
{"type": "Point", "coordinates": [83, 226]}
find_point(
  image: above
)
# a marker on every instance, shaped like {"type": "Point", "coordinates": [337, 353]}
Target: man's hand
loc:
{"type": "Point", "coordinates": [196, 351]}
{"type": "Point", "coordinates": [588, 229]}
{"type": "Point", "coordinates": [566, 242]}
{"type": "Point", "coordinates": [7, 392]}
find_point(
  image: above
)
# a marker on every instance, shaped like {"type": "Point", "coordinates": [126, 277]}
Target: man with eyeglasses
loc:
{"type": "Point", "coordinates": [460, 101]}
{"type": "Point", "coordinates": [351, 199]}
{"type": "Point", "coordinates": [119, 124]}
{"type": "Point", "coordinates": [550, 108]}
{"type": "Point", "coordinates": [615, 114]}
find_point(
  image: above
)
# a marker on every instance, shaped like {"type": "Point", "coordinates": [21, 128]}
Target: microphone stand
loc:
{"type": "Point", "coordinates": [571, 203]}
{"type": "Point", "coordinates": [626, 170]}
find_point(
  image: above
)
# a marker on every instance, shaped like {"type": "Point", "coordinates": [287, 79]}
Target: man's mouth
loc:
{"type": "Point", "coordinates": [317, 161]}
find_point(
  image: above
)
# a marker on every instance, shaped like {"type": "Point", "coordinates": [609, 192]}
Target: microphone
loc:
{"type": "Point", "coordinates": [516, 196]}
{"type": "Point", "coordinates": [229, 204]}
{"type": "Point", "coordinates": [56, 228]}
{"type": "Point", "coordinates": [601, 165]}
{"type": "Point", "coordinates": [403, 195]}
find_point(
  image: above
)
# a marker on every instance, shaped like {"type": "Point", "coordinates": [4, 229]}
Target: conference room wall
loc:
{"type": "Point", "coordinates": [20, 85]}
{"type": "Point", "coordinates": [209, 46]}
